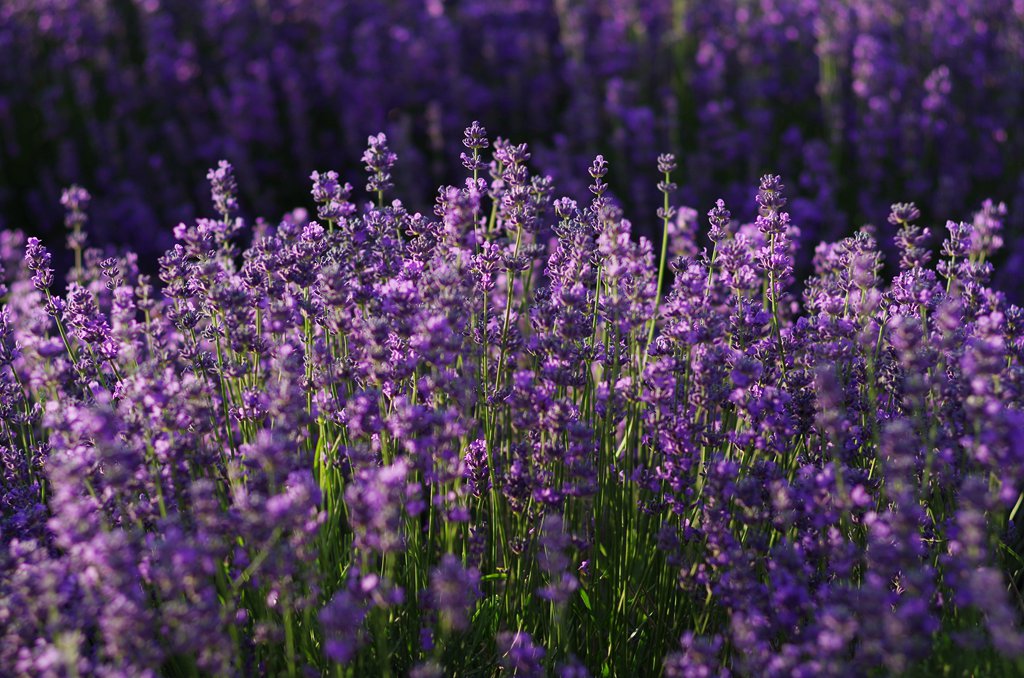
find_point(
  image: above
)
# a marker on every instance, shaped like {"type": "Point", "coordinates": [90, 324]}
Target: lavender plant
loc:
{"type": "Point", "coordinates": [504, 439]}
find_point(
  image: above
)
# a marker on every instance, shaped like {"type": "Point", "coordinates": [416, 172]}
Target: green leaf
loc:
{"type": "Point", "coordinates": [586, 599]}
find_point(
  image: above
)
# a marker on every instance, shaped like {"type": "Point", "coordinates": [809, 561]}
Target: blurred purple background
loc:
{"type": "Point", "coordinates": [856, 104]}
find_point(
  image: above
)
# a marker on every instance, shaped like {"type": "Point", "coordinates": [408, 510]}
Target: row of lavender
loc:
{"type": "Point", "coordinates": [858, 102]}
{"type": "Point", "coordinates": [387, 443]}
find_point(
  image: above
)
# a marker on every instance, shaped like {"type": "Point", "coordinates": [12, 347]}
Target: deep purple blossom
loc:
{"type": "Point", "coordinates": [519, 656]}
{"type": "Point", "coordinates": [379, 159]}
{"type": "Point", "coordinates": [223, 188]}
{"type": "Point", "coordinates": [454, 590]}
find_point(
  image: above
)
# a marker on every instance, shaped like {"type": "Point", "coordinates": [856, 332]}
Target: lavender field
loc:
{"type": "Point", "coordinates": [698, 355]}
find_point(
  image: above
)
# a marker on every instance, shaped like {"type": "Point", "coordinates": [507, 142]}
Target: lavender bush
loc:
{"type": "Point", "coordinates": [503, 438]}
{"type": "Point", "coordinates": [859, 103]}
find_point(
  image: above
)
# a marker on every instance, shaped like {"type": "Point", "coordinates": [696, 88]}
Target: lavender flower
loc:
{"type": "Point", "coordinates": [377, 502]}
{"type": "Point", "coordinates": [75, 201]}
{"type": "Point", "coordinates": [720, 219]}
{"type": "Point", "coordinates": [475, 139]}
{"type": "Point", "coordinates": [553, 560]}
{"type": "Point", "coordinates": [454, 590]}
{"type": "Point", "coordinates": [379, 159]}
{"type": "Point", "coordinates": [518, 654]}
{"type": "Point", "coordinates": [223, 188]}
{"type": "Point", "coordinates": [341, 620]}
{"type": "Point", "coordinates": [37, 259]}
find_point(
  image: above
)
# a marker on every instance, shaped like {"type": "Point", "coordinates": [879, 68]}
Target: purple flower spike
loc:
{"type": "Point", "coordinates": [379, 160]}
{"type": "Point", "coordinates": [223, 188]}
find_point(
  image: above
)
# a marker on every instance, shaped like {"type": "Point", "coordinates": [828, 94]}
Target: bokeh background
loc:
{"type": "Point", "coordinates": [857, 104]}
